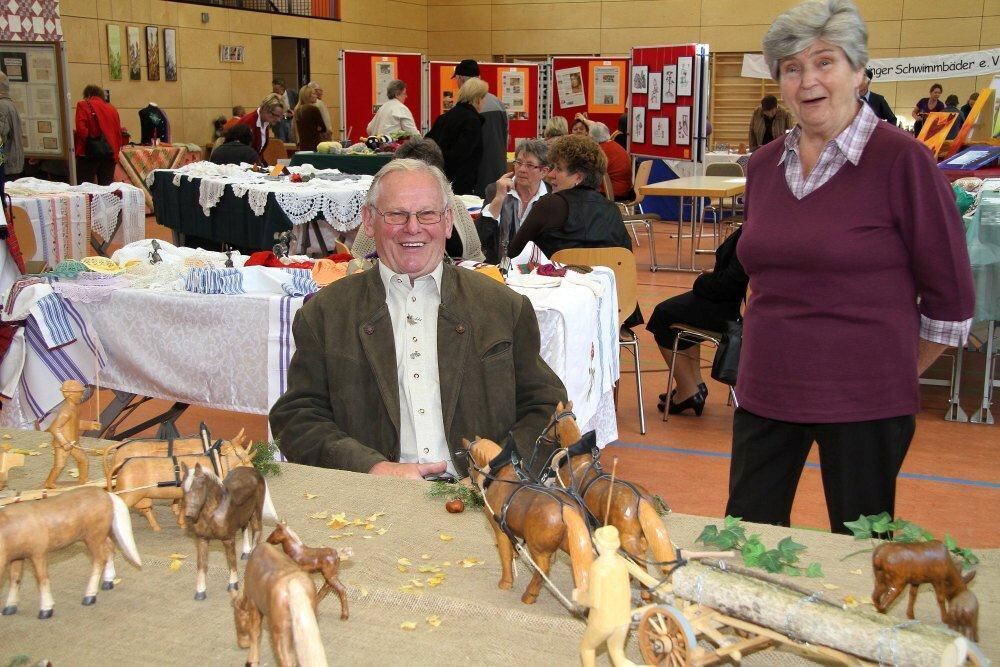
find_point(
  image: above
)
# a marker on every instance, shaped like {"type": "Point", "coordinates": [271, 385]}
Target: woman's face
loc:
{"type": "Point", "coordinates": [580, 128]}
{"type": "Point", "coordinates": [562, 179]}
{"type": "Point", "coordinates": [935, 95]}
{"type": "Point", "coordinates": [820, 86]}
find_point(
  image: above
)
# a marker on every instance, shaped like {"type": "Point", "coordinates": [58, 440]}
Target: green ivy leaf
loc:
{"type": "Point", "coordinates": [727, 539]}
{"type": "Point", "coordinates": [708, 535]}
{"type": "Point", "coordinates": [732, 521]}
{"type": "Point", "coordinates": [771, 561]}
{"type": "Point", "coordinates": [752, 551]}
{"type": "Point", "coordinates": [789, 549]}
{"type": "Point", "coordinates": [910, 532]}
{"type": "Point", "coordinates": [814, 570]}
{"type": "Point", "coordinates": [862, 527]}
{"type": "Point", "coordinates": [880, 523]}
{"type": "Point", "coordinates": [792, 571]}
{"type": "Point", "coordinates": [949, 542]}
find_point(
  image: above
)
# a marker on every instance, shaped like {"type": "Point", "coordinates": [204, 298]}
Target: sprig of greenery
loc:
{"type": "Point", "coordinates": [660, 505]}
{"type": "Point", "coordinates": [886, 529]}
{"type": "Point", "coordinates": [451, 491]}
{"type": "Point", "coordinates": [784, 559]}
{"type": "Point", "coordinates": [263, 458]}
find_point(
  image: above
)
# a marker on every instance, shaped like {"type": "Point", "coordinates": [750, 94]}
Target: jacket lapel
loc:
{"type": "Point", "coordinates": [379, 345]}
{"type": "Point", "coordinates": [454, 333]}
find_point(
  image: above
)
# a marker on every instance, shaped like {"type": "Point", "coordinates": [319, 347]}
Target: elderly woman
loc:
{"type": "Point", "coordinates": [309, 126]}
{"type": "Point", "coordinates": [927, 105]}
{"type": "Point", "coordinates": [459, 133]}
{"type": "Point", "coordinates": [619, 163]}
{"type": "Point", "coordinates": [579, 126]}
{"type": "Point", "coordinates": [860, 278]}
{"type": "Point", "coordinates": [511, 198]}
{"type": "Point", "coordinates": [393, 117]}
{"type": "Point", "coordinates": [555, 127]}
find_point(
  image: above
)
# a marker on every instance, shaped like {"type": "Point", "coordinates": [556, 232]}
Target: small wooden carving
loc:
{"type": "Point", "coordinates": [632, 510]}
{"type": "Point", "coordinates": [215, 509]}
{"type": "Point", "coordinates": [65, 430]}
{"type": "Point", "coordinates": [9, 460]}
{"type": "Point", "coordinates": [898, 565]}
{"type": "Point", "coordinates": [609, 599]}
{"type": "Point", "coordinates": [30, 530]}
{"type": "Point", "coordinates": [547, 519]}
{"type": "Point", "coordinates": [963, 614]}
{"type": "Point", "coordinates": [116, 455]}
{"type": "Point", "coordinates": [274, 586]}
{"type": "Point", "coordinates": [324, 560]}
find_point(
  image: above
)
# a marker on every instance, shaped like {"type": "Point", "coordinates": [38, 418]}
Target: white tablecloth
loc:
{"type": "Point", "coordinates": [213, 350]}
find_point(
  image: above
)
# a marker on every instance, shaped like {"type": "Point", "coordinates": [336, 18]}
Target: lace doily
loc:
{"type": "Point", "coordinates": [164, 276]}
{"type": "Point", "coordinates": [209, 194]}
{"type": "Point", "coordinates": [90, 287]}
{"type": "Point", "coordinates": [102, 265]}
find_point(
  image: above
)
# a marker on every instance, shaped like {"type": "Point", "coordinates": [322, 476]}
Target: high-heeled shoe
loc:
{"type": "Point", "coordinates": [694, 402]}
{"type": "Point", "coordinates": [702, 387]}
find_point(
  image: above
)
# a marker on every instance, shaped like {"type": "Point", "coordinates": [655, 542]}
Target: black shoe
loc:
{"type": "Point", "coordinates": [695, 402]}
{"type": "Point", "coordinates": [702, 387]}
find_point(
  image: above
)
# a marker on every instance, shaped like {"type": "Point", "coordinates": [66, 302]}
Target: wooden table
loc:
{"type": "Point", "coordinates": [694, 187]}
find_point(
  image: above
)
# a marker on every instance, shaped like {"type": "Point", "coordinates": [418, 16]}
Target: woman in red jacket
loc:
{"type": "Point", "coordinates": [96, 119]}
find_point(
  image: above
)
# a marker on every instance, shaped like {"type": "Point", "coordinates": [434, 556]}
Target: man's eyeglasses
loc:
{"type": "Point", "coordinates": [402, 217]}
{"type": "Point", "coordinates": [520, 163]}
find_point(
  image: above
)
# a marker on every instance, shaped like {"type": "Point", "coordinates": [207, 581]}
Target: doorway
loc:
{"type": "Point", "coordinates": [290, 61]}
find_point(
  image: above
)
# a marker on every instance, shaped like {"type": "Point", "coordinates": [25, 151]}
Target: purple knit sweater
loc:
{"type": "Point", "coordinates": [831, 327]}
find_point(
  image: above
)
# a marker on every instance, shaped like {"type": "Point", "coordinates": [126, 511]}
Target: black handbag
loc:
{"type": "Point", "coordinates": [727, 356]}
{"type": "Point", "coordinates": [97, 147]}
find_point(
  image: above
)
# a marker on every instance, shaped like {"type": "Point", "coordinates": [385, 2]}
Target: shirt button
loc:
{"type": "Point", "coordinates": [416, 376]}
{"type": "Point", "coordinates": [421, 411]}
{"type": "Point", "coordinates": [413, 299]}
{"type": "Point", "coordinates": [414, 339]}
{"type": "Point", "coordinates": [426, 450]}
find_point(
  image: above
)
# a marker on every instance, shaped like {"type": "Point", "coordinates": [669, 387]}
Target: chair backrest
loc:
{"type": "Point", "coordinates": [724, 169]}
{"type": "Point", "coordinates": [25, 233]}
{"type": "Point", "coordinates": [609, 191]}
{"type": "Point", "coordinates": [274, 150]}
{"type": "Point", "coordinates": [619, 260]}
{"type": "Point", "coordinates": [641, 179]}
{"type": "Point", "coordinates": [340, 247]}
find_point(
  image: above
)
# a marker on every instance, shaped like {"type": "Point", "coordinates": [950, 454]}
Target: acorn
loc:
{"type": "Point", "coordinates": [455, 506]}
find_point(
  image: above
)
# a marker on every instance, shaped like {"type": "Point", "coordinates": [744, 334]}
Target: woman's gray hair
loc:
{"type": "Point", "coordinates": [555, 127]}
{"type": "Point", "coordinates": [395, 88]}
{"type": "Point", "coordinates": [537, 147]}
{"type": "Point", "coordinates": [599, 132]}
{"type": "Point", "coordinates": [413, 166]}
{"type": "Point", "coordinates": [835, 21]}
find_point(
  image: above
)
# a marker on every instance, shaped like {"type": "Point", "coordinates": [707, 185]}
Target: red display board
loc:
{"type": "Point", "coordinates": [603, 89]}
{"type": "Point", "coordinates": [522, 100]}
{"type": "Point", "coordinates": [366, 74]}
{"type": "Point", "coordinates": [669, 127]}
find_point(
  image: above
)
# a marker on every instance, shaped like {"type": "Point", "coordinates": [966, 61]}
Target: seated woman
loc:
{"type": "Point", "coordinates": [235, 147]}
{"type": "Point", "coordinates": [555, 127]}
{"type": "Point", "coordinates": [927, 105]}
{"type": "Point", "coordinates": [580, 127]}
{"type": "Point", "coordinates": [713, 300]}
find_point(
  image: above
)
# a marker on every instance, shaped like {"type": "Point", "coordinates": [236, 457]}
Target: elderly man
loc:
{"type": "Point", "coordinates": [511, 198]}
{"type": "Point", "coordinates": [270, 112]}
{"type": "Point", "coordinates": [10, 133]}
{"type": "Point", "coordinates": [395, 365]}
{"type": "Point", "coordinates": [393, 116]}
{"type": "Point", "coordinates": [493, 164]}
{"type": "Point", "coordinates": [874, 100]}
{"type": "Point", "coordinates": [321, 105]}
{"type": "Point", "coordinates": [289, 98]}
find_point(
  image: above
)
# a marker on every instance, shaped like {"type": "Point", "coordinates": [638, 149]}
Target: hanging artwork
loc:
{"type": "Point", "coordinates": [655, 83]}
{"type": "Point", "coordinates": [152, 53]}
{"type": "Point", "coordinates": [569, 85]}
{"type": "Point", "coordinates": [607, 92]}
{"type": "Point", "coordinates": [640, 78]}
{"type": "Point", "coordinates": [170, 54]}
{"type": "Point", "coordinates": [134, 53]}
{"type": "Point", "coordinates": [685, 68]}
{"type": "Point", "coordinates": [383, 73]}
{"type": "Point", "coordinates": [639, 125]}
{"type": "Point", "coordinates": [661, 132]}
{"type": "Point", "coordinates": [683, 126]}
{"type": "Point", "coordinates": [669, 84]}
{"type": "Point", "coordinates": [114, 52]}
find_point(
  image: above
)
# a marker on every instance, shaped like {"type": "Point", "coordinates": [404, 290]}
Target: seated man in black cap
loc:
{"type": "Point", "coordinates": [494, 161]}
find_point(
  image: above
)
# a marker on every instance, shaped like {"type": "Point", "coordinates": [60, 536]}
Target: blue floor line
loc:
{"type": "Point", "coordinates": [723, 455]}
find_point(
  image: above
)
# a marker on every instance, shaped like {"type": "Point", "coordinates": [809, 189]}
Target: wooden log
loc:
{"type": "Point", "coordinates": [815, 620]}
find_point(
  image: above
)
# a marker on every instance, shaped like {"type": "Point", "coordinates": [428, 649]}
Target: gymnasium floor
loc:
{"type": "Point", "coordinates": [950, 482]}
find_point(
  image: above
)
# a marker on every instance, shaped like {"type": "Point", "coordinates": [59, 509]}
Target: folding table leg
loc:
{"type": "Point", "coordinates": [955, 413]}
{"type": "Point", "coordinates": [983, 414]}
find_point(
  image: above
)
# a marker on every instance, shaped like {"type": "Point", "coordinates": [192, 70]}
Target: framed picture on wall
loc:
{"type": "Point", "coordinates": [685, 69]}
{"type": "Point", "coordinates": [169, 54]}
{"type": "Point", "coordinates": [640, 78]}
{"type": "Point", "coordinates": [661, 132]}
{"type": "Point", "coordinates": [655, 83]}
{"type": "Point", "coordinates": [669, 84]}
{"type": "Point", "coordinates": [639, 125]}
{"type": "Point", "coordinates": [683, 126]}
{"type": "Point", "coordinates": [134, 53]}
{"type": "Point", "coordinates": [152, 53]}
{"type": "Point", "coordinates": [114, 52]}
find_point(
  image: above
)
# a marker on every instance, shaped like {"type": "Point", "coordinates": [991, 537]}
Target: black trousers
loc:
{"type": "Point", "coordinates": [859, 462]}
{"type": "Point", "coordinates": [95, 170]}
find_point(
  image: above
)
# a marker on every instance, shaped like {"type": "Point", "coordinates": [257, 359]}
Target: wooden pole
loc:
{"type": "Point", "coordinates": [611, 489]}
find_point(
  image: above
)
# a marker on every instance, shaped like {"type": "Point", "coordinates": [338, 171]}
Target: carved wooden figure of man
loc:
{"type": "Point", "coordinates": [65, 430]}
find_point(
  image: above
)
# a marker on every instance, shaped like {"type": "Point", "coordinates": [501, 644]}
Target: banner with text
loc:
{"type": "Point", "coordinates": [908, 68]}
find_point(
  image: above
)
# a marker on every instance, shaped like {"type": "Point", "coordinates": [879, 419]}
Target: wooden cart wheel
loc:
{"type": "Point", "coordinates": [665, 637]}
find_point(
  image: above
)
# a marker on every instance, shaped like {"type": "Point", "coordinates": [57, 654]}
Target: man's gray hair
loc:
{"type": "Point", "coordinates": [395, 88]}
{"type": "Point", "coordinates": [4, 83]}
{"type": "Point", "coordinates": [537, 147]}
{"type": "Point", "coordinates": [835, 21]}
{"type": "Point", "coordinates": [412, 166]}
{"type": "Point", "coordinates": [599, 132]}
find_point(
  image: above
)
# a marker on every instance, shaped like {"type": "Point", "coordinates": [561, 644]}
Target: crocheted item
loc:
{"type": "Point", "coordinates": [68, 268]}
{"type": "Point", "coordinates": [90, 287]}
{"type": "Point", "coordinates": [102, 265]}
{"type": "Point", "coordinates": [162, 276]}
{"type": "Point", "coordinates": [209, 194]}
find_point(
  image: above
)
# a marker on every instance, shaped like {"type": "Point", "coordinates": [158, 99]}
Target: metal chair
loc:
{"type": "Point", "coordinates": [622, 263]}
{"type": "Point", "coordinates": [632, 214]}
{"type": "Point", "coordinates": [696, 336]}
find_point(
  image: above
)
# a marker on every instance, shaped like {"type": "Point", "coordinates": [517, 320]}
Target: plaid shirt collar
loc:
{"type": "Point", "coordinates": [850, 142]}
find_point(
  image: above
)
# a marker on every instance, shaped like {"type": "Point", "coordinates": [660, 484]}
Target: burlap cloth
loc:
{"type": "Point", "coordinates": [151, 618]}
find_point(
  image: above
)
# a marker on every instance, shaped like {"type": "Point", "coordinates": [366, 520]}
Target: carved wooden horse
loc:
{"type": "Point", "coordinates": [633, 510]}
{"type": "Point", "coordinates": [116, 455]}
{"type": "Point", "coordinates": [30, 530]}
{"type": "Point", "coordinates": [324, 560]}
{"type": "Point", "coordinates": [216, 509]}
{"type": "Point", "coordinates": [546, 519]}
{"type": "Point", "coordinates": [274, 586]}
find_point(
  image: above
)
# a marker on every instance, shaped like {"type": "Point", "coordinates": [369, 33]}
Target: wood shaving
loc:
{"type": "Point", "coordinates": [857, 571]}
{"type": "Point", "coordinates": [433, 621]}
{"type": "Point", "coordinates": [417, 583]}
{"type": "Point", "coordinates": [382, 531]}
{"type": "Point", "coordinates": [175, 564]}
{"type": "Point", "coordinates": [444, 537]}
{"type": "Point", "coordinates": [7, 436]}
{"type": "Point", "coordinates": [429, 568]}
{"type": "Point", "coordinates": [831, 587]}
{"type": "Point", "coordinates": [375, 517]}
{"type": "Point", "coordinates": [178, 556]}
{"type": "Point", "coordinates": [402, 568]}
{"type": "Point", "coordinates": [364, 592]}
{"type": "Point", "coordinates": [74, 473]}
{"type": "Point", "coordinates": [310, 496]}
{"type": "Point", "coordinates": [319, 515]}
{"type": "Point", "coordinates": [425, 556]}
{"type": "Point", "coordinates": [446, 563]}
{"type": "Point", "coordinates": [408, 625]}
{"type": "Point", "coordinates": [470, 561]}
{"type": "Point", "coordinates": [368, 537]}
{"type": "Point", "coordinates": [116, 581]}
{"type": "Point", "coordinates": [338, 521]}
{"type": "Point", "coordinates": [404, 561]}
{"type": "Point", "coordinates": [369, 526]}
{"type": "Point", "coordinates": [850, 601]}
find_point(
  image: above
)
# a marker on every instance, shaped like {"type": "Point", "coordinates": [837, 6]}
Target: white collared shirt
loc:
{"type": "Point", "coordinates": [542, 191]}
{"type": "Point", "coordinates": [414, 312]}
{"type": "Point", "coordinates": [263, 125]}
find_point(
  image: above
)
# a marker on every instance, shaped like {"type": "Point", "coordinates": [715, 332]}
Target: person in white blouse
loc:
{"type": "Point", "coordinates": [511, 198]}
{"type": "Point", "coordinates": [393, 116]}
